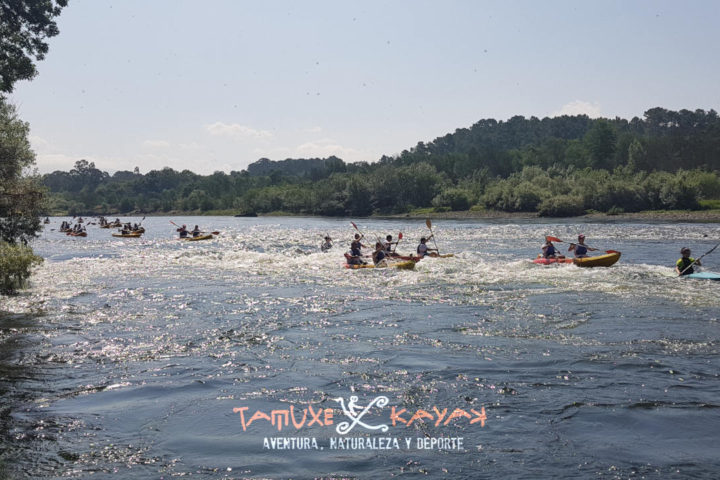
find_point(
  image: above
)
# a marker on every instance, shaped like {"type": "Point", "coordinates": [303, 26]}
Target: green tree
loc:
{"type": "Point", "coordinates": [600, 142]}
{"type": "Point", "coordinates": [25, 26]}
{"type": "Point", "coordinates": [20, 197]}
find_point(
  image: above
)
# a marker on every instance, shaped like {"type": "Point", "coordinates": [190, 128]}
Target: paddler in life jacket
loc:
{"type": "Point", "coordinates": [355, 256]}
{"type": "Point", "coordinates": [327, 245]}
{"type": "Point", "coordinates": [580, 248]}
{"type": "Point", "coordinates": [388, 246]}
{"type": "Point", "coordinates": [685, 262]}
{"type": "Point", "coordinates": [183, 231]}
{"type": "Point", "coordinates": [379, 254]}
{"type": "Point", "coordinates": [196, 231]}
{"type": "Point", "coordinates": [423, 250]}
{"type": "Point", "coordinates": [548, 250]}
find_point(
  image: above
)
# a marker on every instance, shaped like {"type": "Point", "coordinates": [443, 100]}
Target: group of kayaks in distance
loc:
{"type": "Point", "coordinates": [129, 229]}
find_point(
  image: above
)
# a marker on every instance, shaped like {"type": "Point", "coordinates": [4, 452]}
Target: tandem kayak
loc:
{"type": "Point", "coordinates": [704, 276]}
{"type": "Point", "coordinates": [551, 261]}
{"type": "Point", "coordinates": [599, 261]}
{"type": "Point", "coordinates": [209, 236]}
{"type": "Point", "coordinates": [406, 265]}
{"type": "Point", "coordinates": [417, 258]}
{"type": "Point", "coordinates": [127, 235]}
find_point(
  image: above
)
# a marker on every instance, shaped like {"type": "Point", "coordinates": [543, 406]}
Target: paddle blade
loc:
{"type": "Point", "coordinates": [400, 236]}
{"type": "Point", "coordinates": [215, 233]}
{"type": "Point", "coordinates": [355, 226]}
{"type": "Point", "coordinates": [428, 223]}
{"type": "Point", "coordinates": [552, 239]}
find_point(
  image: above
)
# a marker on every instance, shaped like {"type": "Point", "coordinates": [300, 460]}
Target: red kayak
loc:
{"type": "Point", "coordinates": [550, 261]}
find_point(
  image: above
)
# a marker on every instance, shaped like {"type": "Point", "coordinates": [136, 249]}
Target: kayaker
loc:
{"type": "Point", "coordinates": [683, 263]}
{"type": "Point", "coordinates": [183, 231]}
{"type": "Point", "coordinates": [327, 245]}
{"type": "Point", "coordinates": [379, 254]}
{"type": "Point", "coordinates": [355, 256]}
{"type": "Point", "coordinates": [388, 245]}
{"type": "Point", "coordinates": [196, 231]}
{"type": "Point", "coordinates": [423, 249]}
{"type": "Point", "coordinates": [580, 248]}
{"type": "Point", "coordinates": [548, 250]}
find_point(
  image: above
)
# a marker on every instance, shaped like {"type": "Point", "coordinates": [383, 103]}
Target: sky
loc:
{"type": "Point", "coordinates": [215, 85]}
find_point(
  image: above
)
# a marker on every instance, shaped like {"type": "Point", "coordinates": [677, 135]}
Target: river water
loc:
{"type": "Point", "coordinates": [146, 358]}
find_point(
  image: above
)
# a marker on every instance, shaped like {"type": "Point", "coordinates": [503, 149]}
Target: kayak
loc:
{"type": "Point", "coordinates": [201, 237]}
{"type": "Point", "coordinates": [704, 276]}
{"type": "Point", "coordinates": [77, 234]}
{"type": "Point", "coordinates": [417, 259]}
{"type": "Point", "coordinates": [406, 265]}
{"type": "Point", "coordinates": [599, 261]}
{"type": "Point", "coordinates": [127, 235]}
{"type": "Point", "coordinates": [550, 261]}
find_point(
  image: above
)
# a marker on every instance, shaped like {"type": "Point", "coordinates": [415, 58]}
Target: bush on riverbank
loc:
{"type": "Point", "coordinates": [16, 262]}
{"type": "Point", "coordinates": [558, 192]}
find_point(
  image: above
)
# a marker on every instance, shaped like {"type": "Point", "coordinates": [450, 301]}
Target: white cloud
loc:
{"type": "Point", "coordinates": [578, 107]}
{"type": "Point", "coordinates": [37, 143]}
{"type": "Point", "coordinates": [236, 131]}
{"type": "Point", "coordinates": [324, 148]}
{"type": "Point", "coordinates": [50, 162]}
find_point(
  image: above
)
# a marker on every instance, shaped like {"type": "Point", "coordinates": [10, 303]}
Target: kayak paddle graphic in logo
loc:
{"type": "Point", "coordinates": [355, 413]}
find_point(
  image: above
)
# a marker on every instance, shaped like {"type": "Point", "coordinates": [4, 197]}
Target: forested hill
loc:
{"type": "Point", "coordinates": [313, 168]}
{"type": "Point", "coordinates": [556, 166]}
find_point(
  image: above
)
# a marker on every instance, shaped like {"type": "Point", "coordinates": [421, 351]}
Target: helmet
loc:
{"type": "Point", "coordinates": [684, 250]}
{"type": "Point", "coordinates": [581, 237]}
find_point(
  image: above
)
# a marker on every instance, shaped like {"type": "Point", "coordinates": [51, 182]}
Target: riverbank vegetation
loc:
{"type": "Point", "coordinates": [560, 166]}
{"type": "Point", "coordinates": [25, 27]}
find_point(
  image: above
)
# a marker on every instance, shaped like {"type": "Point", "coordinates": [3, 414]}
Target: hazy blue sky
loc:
{"type": "Point", "coordinates": [216, 84]}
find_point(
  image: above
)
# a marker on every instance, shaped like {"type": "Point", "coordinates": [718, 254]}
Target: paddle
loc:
{"type": "Point", "coordinates": [400, 235]}
{"type": "Point", "coordinates": [698, 259]}
{"type": "Point", "coordinates": [429, 225]}
{"type": "Point", "coordinates": [362, 235]}
{"type": "Point", "coordinates": [548, 238]}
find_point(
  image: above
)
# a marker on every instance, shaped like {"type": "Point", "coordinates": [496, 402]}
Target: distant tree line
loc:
{"type": "Point", "coordinates": [558, 166]}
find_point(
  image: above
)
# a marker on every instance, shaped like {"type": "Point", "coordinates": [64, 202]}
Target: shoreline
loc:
{"type": "Point", "coordinates": [674, 216]}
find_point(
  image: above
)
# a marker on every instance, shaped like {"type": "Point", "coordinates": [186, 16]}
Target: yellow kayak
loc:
{"type": "Point", "coordinates": [406, 265]}
{"type": "Point", "coordinates": [127, 235]}
{"type": "Point", "coordinates": [209, 236]}
{"type": "Point", "coordinates": [599, 261]}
